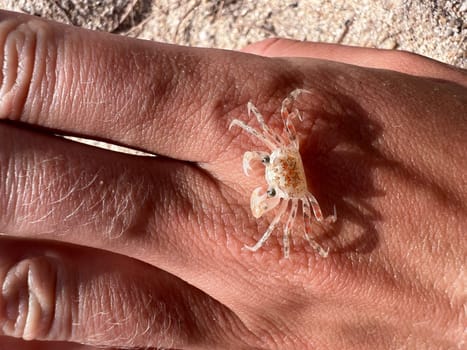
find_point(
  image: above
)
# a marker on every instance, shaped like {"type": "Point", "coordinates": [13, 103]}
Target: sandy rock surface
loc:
{"type": "Point", "coordinates": [434, 28]}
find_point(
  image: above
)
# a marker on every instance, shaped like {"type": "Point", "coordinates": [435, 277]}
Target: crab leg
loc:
{"type": "Point", "coordinates": [307, 220]}
{"type": "Point", "coordinates": [261, 136]}
{"type": "Point", "coordinates": [267, 131]}
{"type": "Point", "coordinates": [288, 125]}
{"type": "Point", "coordinates": [287, 116]}
{"type": "Point", "coordinates": [317, 210]}
{"type": "Point", "coordinates": [288, 225]}
{"type": "Point", "coordinates": [272, 225]}
{"type": "Point", "coordinates": [249, 156]}
{"type": "Point", "coordinates": [315, 206]}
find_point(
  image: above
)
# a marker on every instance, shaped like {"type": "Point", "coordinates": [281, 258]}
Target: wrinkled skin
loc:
{"type": "Point", "coordinates": [113, 250]}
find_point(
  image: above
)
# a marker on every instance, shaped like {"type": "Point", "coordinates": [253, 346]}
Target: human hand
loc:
{"type": "Point", "coordinates": [114, 250]}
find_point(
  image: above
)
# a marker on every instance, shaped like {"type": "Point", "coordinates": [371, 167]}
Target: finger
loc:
{"type": "Point", "coordinates": [160, 98]}
{"type": "Point", "coordinates": [57, 292]}
{"type": "Point", "coordinates": [150, 208]}
{"type": "Point", "coordinates": [20, 344]}
{"type": "Point", "coordinates": [401, 61]}
{"type": "Point", "coordinates": [61, 190]}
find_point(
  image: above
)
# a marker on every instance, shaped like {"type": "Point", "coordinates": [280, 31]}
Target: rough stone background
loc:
{"type": "Point", "coordinates": [434, 28]}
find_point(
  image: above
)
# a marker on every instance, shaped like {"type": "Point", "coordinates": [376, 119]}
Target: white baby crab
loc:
{"type": "Point", "coordinates": [285, 177]}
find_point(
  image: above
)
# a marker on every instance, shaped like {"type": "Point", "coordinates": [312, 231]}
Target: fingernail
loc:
{"type": "Point", "coordinates": [27, 299]}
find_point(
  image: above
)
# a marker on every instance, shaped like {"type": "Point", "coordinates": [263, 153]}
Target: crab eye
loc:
{"type": "Point", "coordinates": [271, 192]}
{"type": "Point", "coordinates": [266, 159]}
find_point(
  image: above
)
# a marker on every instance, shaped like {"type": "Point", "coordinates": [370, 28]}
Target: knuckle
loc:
{"type": "Point", "coordinates": [27, 299]}
{"type": "Point", "coordinates": [406, 59]}
{"type": "Point", "coordinates": [25, 52]}
{"type": "Point", "coordinates": [407, 56]}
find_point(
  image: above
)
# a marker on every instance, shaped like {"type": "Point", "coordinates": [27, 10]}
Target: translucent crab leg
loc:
{"type": "Point", "coordinates": [315, 206]}
{"type": "Point", "coordinates": [267, 131]}
{"type": "Point", "coordinates": [288, 125]}
{"type": "Point", "coordinates": [307, 220]}
{"type": "Point", "coordinates": [288, 225]}
{"type": "Point", "coordinates": [317, 210]}
{"type": "Point", "coordinates": [287, 116]}
{"type": "Point", "coordinates": [272, 225]}
{"type": "Point", "coordinates": [261, 136]}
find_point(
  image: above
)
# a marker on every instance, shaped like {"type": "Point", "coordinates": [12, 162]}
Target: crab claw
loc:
{"type": "Point", "coordinates": [262, 203]}
{"type": "Point", "coordinates": [246, 163]}
{"type": "Point", "coordinates": [248, 157]}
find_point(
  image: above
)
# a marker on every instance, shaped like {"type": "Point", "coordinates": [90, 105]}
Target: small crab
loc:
{"type": "Point", "coordinates": [285, 176]}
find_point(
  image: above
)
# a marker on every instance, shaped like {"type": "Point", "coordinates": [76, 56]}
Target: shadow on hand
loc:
{"type": "Point", "coordinates": [341, 155]}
